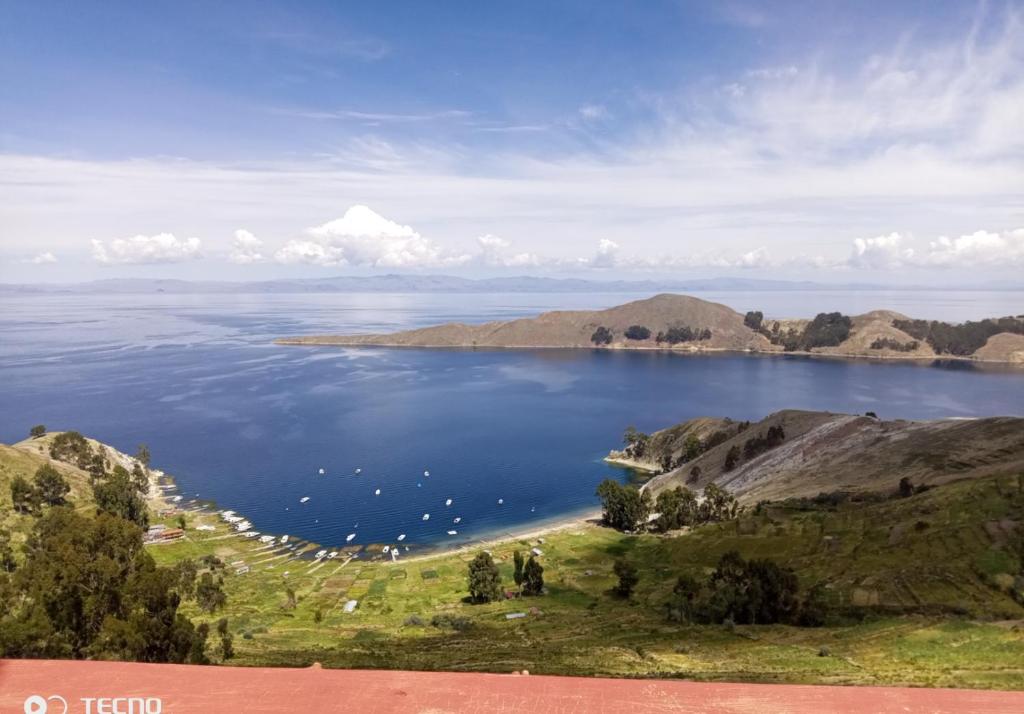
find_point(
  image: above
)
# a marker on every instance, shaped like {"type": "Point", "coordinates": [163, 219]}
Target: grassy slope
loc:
{"type": "Point", "coordinates": [868, 553]}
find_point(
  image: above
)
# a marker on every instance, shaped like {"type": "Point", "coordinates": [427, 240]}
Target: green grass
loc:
{"type": "Point", "coordinates": [926, 606]}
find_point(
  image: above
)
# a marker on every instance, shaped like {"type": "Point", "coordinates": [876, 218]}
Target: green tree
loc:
{"type": "Point", "coordinates": [753, 320]}
{"type": "Point", "coordinates": [637, 332]}
{"type": "Point", "coordinates": [906, 488]}
{"type": "Point", "coordinates": [142, 455]}
{"type": "Point", "coordinates": [23, 496]}
{"type": "Point", "coordinates": [50, 486]}
{"type": "Point", "coordinates": [117, 494]}
{"type": "Point", "coordinates": [676, 508]}
{"type": "Point", "coordinates": [187, 572]}
{"type": "Point", "coordinates": [73, 448]}
{"type": "Point", "coordinates": [210, 595]}
{"type": "Point", "coordinates": [602, 336]}
{"type": "Point", "coordinates": [517, 572]}
{"type": "Point", "coordinates": [8, 563]}
{"type": "Point", "coordinates": [624, 507]}
{"type": "Point", "coordinates": [88, 588]}
{"type": "Point", "coordinates": [37, 431]}
{"type": "Point", "coordinates": [484, 579]}
{"type": "Point", "coordinates": [628, 577]}
{"type": "Point", "coordinates": [533, 577]}
{"type": "Point", "coordinates": [227, 647]}
{"type": "Point", "coordinates": [731, 458]}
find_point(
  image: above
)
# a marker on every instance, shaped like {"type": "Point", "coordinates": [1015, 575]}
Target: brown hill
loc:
{"type": "Point", "coordinates": [824, 452]}
{"type": "Point", "coordinates": [870, 335]}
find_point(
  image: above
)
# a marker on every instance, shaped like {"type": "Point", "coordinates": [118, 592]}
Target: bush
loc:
{"type": "Point", "coordinates": [637, 332]}
{"type": "Point", "coordinates": [628, 577]}
{"type": "Point", "coordinates": [753, 320]}
{"type": "Point", "coordinates": [451, 622]}
{"type": "Point", "coordinates": [887, 343]}
{"type": "Point", "coordinates": [37, 431]}
{"type": "Point", "coordinates": [675, 335]}
{"type": "Point", "coordinates": [602, 336]}
{"type": "Point", "coordinates": [414, 621]}
{"type": "Point", "coordinates": [963, 339]}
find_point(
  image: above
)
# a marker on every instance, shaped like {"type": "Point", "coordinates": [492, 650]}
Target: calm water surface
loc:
{"type": "Point", "coordinates": [248, 424]}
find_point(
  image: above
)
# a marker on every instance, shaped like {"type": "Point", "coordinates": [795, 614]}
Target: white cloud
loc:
{"type": "Point", "coordinates": [245, 248]}
{"type": "Point", "coordinates": [159, 248]}
{"type": "Point", "coordinates": [607, 254]}
{"type": "Point", "coordinates": [44, 258]}
{"type": "Point", "coordinates": [975, 250]}
{"type": "Point", "coordinates": [881, 252]}
{"type": "Point", "coordinates": [979, 249]}
{"type": "Point", "coordinates": [493, 254]}
{"type": "Point", "coordinates": [364, 238]}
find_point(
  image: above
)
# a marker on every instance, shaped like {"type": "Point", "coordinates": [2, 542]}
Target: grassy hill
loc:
{"type": "Point", "coordinates": [880, 334]}
{"type": "Point", "coordinates": [824, 452]}
{"type": "Point", "coordinates": [921, 591]}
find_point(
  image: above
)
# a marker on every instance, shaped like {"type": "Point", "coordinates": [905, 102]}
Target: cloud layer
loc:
{"type": "Point", "coordinates": [141, 249]}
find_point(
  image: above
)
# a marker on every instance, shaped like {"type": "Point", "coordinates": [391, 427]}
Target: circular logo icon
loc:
{"type": "Point", "coordinates": [36, 704]}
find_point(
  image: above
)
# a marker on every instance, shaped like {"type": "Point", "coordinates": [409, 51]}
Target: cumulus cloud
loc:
{"type": "Point", "coordinates": [975, 250]}
{"type": "Point", "coordinates": [493, 253]}
{"type": "Point", "coordinates": [43, 258]}
{"type": "Point", "coordinates": [159, 248]}
{"type": "Point", "coordinates": [245, 248]}
{"type": "Point", "coordinates": [363, 237]}
{"type": "Point", "coordinates": [607, 254]}
{"type": "Point", "coordinates": [880, 252]}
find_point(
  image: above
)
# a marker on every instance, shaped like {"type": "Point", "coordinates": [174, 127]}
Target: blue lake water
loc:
{"type": "Point", "coordinates": [247, 424]}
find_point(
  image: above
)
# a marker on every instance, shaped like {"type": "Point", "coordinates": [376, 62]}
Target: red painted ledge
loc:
{"type": "Point", "coordinates": [183, 689]}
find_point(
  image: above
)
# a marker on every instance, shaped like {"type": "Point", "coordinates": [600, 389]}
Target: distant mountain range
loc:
{"type": "Point", "coordinates": [448, 284]}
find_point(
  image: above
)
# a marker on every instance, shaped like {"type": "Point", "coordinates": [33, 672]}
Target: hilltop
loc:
{"type": "Point", "coordinates": [799, 454]}
{"type": "Point", "coordinates": [689, 324]}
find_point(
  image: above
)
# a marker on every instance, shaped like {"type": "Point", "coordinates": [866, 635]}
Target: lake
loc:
{"type": "Point", "coordinates": [248, 424]}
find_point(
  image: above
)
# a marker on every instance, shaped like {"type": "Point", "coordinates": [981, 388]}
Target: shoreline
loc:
{"type": "Point", "coordinates": [328, 341]}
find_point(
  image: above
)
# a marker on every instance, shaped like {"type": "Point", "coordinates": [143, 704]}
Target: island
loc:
{"type": "Point", "coordinates": [683, 323]}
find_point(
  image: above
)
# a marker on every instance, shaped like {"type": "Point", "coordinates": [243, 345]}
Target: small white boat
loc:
{"type": "Point", "coordinates": [401, 537]}
{"type": "Point", "coordinates": [350, 537]}
{"type": "Point", "coordinates": [303, 499]}
{"type": "Point", "coordinates": [359, 471]}
{"type": "Point", "coordinates": [321, 472]}
{"type": "Point", "coordinates": [457, 519]}
{"type": "Point", "coordinates": [426, 473]}
{"type": "Point", "coordinates": [534, 508]}
{"type": "Point", "coordinates": [501, 501]}
{"type": "Point", "coordinates": [320, 554]}
{"type": "Point", "coordinates": [332, 555]}
{"type": "Point", "coordinates": [426, 516]}
{"type": "Point", "coordinates": [251, 534]}
{"type": "Point", "coordinates": [448, 502]}
{"type": "Point", "coordinates": [377, 492]}
{"type": "Point", "coordinates": [453, 532]}
{"type": "Point", "coordinates": [387, 548]}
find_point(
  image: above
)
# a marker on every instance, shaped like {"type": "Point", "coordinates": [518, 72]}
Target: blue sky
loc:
{"type": "Point", "coordinates": [822, 140]}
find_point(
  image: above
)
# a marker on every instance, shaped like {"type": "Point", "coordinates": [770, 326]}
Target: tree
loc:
{"type": "Point", "coordinates": [717, 505]}
{"type": "Point", "coordinates": [187, 573]}
{"type": "Point", "coordinates": [142, 455]}
{"type": "Point", "coordinates": [290, 601]}
{"type": "Point", "coordinates": [209, 593]}
{"type": "Point", "coordinates": [637, 332]}
{"type": "Point", "coordinates": [624, 507]}
{"type": "Point", "coordinates": [602, 336]}
{"type": "Point", "coordinates": [753, 320]}
{"type": "Point", "coordinates": [8, 564]}
{"type": "Point", "coordinates": [692, 448]}
{"type": "Point", "coordinates": [685, 595]}
{"type": "Point", "coordinates": [88, 588]}
{"type": "Point", "coordinates": [636, 442]}
{"type": "Point", "coordinates": [23, 496]}
{"type": "Point", "coordinates": [628, 577]}
{"type": "Point", "coordinates": [73, 448]}
{"type": "Point", "coordinates": [676, 508]}
{"type": "Point", "coordinates": [732, 458]}
{"type": "Point", "coordinates": [484, 579]}
{"type": "Point", "coordinates": [37, 431]}
{"type": "Point", "coordinates": [50, 486]}
{"type": "Point", "coordinates": [227, 648]}
{"type": "Point", "coordinates": [517, 572]}
{"type": "Point", "coordinates": [117, 494]}
{"type": "Point", "coordinates": [694, 476]}
{"type": "Point", "coordinates": [181, 521]}
{"type": "Point", "coordinates": [533, 577]}
{"type": "Point", "coordinates": [906, 488]}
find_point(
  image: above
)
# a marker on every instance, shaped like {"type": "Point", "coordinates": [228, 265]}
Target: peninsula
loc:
{"type": "Point", "coordinates": [687, 324]}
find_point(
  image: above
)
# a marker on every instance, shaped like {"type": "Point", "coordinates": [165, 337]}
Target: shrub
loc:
{"type": "Point", "coordinates": [637, 332]}
{"type": "Point", "coordinates": [887, 343]}
{"type": "Point", "coordinates": [602, 336]}
{"type": "Point", "coordinates": [37, 431]}
{"type": "Point", "coordinates": [451, 622]}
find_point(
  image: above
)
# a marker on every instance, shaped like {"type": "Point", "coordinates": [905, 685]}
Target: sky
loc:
{"type": "Point", "coordinates": [830, 141]}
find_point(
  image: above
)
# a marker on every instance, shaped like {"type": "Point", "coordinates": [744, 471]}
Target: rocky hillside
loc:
{"type": "Point", "coordinates": [684, 323]}
{"type": "Point", "coordinates": [798, 453]}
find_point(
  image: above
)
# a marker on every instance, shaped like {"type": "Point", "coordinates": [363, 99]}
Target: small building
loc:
{"type": "Point", "coordinates": [350, 606]}
{"type": "Point", "coordinates": [172, 534]}
{"type": "Point", "coordinates": [537, 551]}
